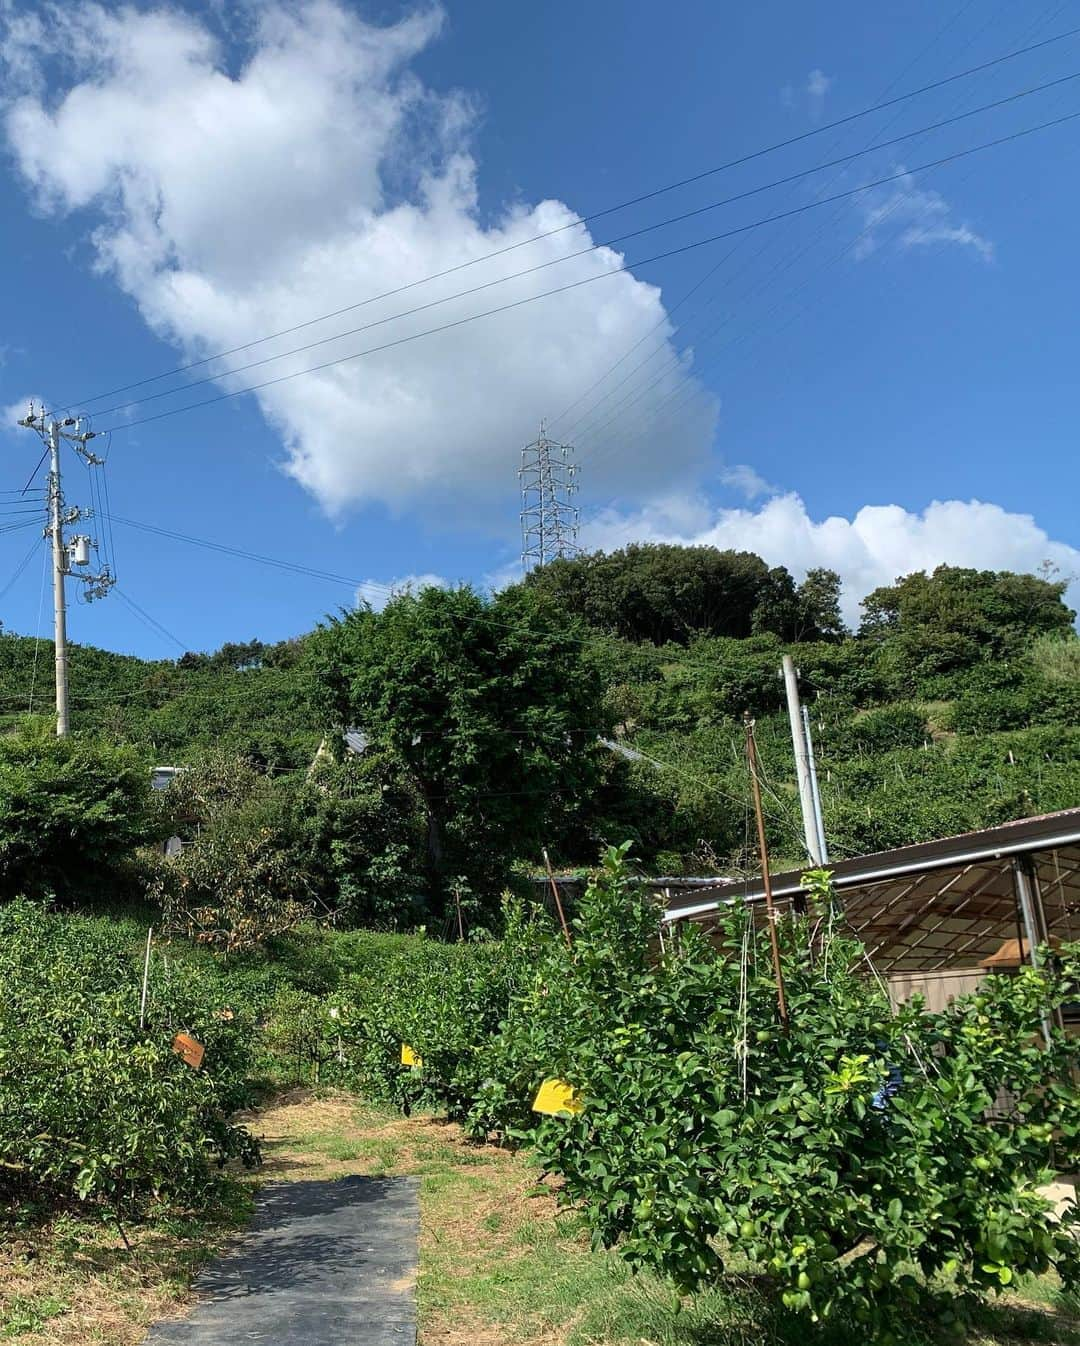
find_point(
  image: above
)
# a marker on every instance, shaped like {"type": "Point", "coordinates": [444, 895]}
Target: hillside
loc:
{"type": "Point", "coordinates": [956, 705]}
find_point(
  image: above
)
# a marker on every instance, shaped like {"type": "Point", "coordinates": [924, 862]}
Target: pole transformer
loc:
{"type": "Point", "coordinates": [66, 552]}
{"type": "Point", "coordinates": [549, 519]}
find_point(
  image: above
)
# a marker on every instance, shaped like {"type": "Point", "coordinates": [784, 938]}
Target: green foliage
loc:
{"type": "Point", "coordinates": [847, 1159]}
{"type": "Point", "coordinates": [846, 1156]}
{"type": "Point", "coordinates": [238, 882]}
{"type": "Point", "coordinates": [1056, 658]}
{"type": "Point", "coordinates": [873, 732]}
{"type": "Point", "coordinates": [94, 1108]}
{"type": "Point", "coordinates": [264, 854]}
{"type": "Point", "coordinates": [489, 706]}
{"type": "Point", "coordinates": [660, 593]}
{"type": "Point", "coordinates": [929, 627]}
{"type": "Point", "coordinates": [71, 812]}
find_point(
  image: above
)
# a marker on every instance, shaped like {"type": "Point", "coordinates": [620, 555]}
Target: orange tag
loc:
{"type": "Point", "coordinates": [189, 1050]}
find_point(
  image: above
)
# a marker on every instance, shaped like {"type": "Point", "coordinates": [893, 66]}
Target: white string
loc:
{"type": "Point", "coordinates": [742, 1048]}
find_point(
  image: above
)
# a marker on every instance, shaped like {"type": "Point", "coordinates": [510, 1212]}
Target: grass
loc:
{"type": "Point", "coordinates": [500, 1264]}
{"type": "Point", "coordinates": [70, 1281]}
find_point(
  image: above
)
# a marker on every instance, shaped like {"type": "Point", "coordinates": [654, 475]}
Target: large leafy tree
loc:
{"type": "Point", "coordinates": [994, 610]}
{"type": "Point", "coordinates": [492, 706]}
{"type": "Point", "coordinates": [659, 592]}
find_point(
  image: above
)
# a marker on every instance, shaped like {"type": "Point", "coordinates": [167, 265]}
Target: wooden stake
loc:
{"type": "Point", "coordinates": [457, 904]}
{"type": "Point", "coordinates": [555, 895]}
{"type": "Point", "coordinates": [766, 881]}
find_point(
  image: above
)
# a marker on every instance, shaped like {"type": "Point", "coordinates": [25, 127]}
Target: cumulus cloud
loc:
{"type": "Point", "coordinates": [377, 593]}
{"type": "Point", "coordinates": [880, 543]}
{"type": "Point", "coordinates": [233, 191]}
{"type": "Point", "coordinates": [924, 217]}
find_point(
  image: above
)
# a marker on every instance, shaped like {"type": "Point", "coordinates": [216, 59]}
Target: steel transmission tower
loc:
{"type": "Point", "coordinates": [549, 519]}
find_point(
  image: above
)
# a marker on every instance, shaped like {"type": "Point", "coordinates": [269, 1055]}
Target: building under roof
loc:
{"type": "Point", "coordinates": [939, 907]}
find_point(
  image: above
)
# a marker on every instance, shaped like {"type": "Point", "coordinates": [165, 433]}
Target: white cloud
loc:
{"type": "Point", "coordinates": [818, 85]}
{"type": "Point", "coordinates": [746, 480]}
{"type": "Point", "coordinates": [14, 412]}
{"type": "Point", "coordinates": [880, 543]}
{"type": "Point", "coordinates": [232, 195]}
{"type": "Point", "coordinates": [377, 593]}
{"type": "Point", "coordinates": [924, 217]}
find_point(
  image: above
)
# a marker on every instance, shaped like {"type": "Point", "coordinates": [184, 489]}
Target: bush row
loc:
{"type": "Point", "coordinates": [93, 1106]}
{"type": "Point", "coordinates": [846, 1157]}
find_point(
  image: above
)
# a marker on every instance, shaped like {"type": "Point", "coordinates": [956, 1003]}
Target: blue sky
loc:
{"type": "Point", "coordinates": [186, 178]}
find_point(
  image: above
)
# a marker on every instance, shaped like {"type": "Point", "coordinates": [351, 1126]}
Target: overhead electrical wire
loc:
{"type": "Point", "coordinates": [685, 395]}
{"type": "Point", "coordinates": [18, 571]}
{"type": "Point", "coordinates": [663, 322]}
{"type": "Point", "coordinates": [586, 219]}
{"type": "Point", "coordinates": [147, 620]}
{"type": "Point", "coordinates": [595, 247]}
{"type": "Point", "coordinates": [779, 268]}
{"type": "Point", "coordinates": [672, 252]}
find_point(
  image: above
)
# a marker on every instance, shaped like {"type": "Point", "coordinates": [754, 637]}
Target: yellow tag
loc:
{"type": "Point", "coordinates": [555, 1097]}
{"type": "Point", "coordinates": [409, 1057]}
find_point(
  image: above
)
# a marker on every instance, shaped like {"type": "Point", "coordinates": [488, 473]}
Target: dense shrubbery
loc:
{"type": "Point", "coordinates": [72, 811]}
{"type": "Point", "coordinates": [848, 1158]}
{"type": "Point", "coordinates": [93, 1107]}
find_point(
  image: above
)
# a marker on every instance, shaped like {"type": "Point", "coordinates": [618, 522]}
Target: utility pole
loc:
{"type": "Point", "coordinates": [802, 763]}
{"type": "Point", "coordinates": [766, 878]}
{"type": "Point", "coordinates": [66, 552]}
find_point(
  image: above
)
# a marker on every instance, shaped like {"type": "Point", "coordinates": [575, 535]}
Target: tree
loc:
{"type": "Point", "coordinates": [995, 609]}
{"type": "Point", "coordinates": [72, 811]}
{"type": "Point", "coordinates": [491, 707]}
{"type": "Point", "coordinates": [660, 592]}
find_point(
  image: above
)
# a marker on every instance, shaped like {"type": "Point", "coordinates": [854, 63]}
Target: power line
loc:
{"type": "Point", "coordinates": [792, 257]}
{"type": "Point", "coordinates": [586, 219]}
{"type": "Point", "coordinates": [19, 569]}
{"type": "Point", "coordinates": [593, 248]}
{"type": "Point", "coordinates": [147, 620]}
{"type": "Point", "coordinates": [615, 271]}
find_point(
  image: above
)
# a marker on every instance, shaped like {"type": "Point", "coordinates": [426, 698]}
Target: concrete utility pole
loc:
{"type": "Point", "coordinates": [66, 552]}
{"type": "Point", "coordinates": [802, 764]}
{"type": "Point", "coordinates": [60, 570]}
{"type": "Point", "coordinates": [819, 816]}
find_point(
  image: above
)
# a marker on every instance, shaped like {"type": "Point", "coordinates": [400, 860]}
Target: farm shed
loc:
{"type": "Point", "coordinates": [935, 916]}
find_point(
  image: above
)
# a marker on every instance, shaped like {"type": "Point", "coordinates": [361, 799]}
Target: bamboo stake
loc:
{"type": "Point", "coordinates": [555, 895]}
{"type": "Point", "coordinates": [766, 881]}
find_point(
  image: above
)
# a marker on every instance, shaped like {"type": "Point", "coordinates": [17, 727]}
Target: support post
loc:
{"type": "Point", "coordinates": [555, 895]}
{"type": "Point", "coordinates": [819, 816]}
{"type": "Point", "coordinates": [766, 880]}
{"type": "Point", "coordinates": [1027, 898]}
{"type": "Point", "coordinates": [59, 555]}
{"type": "Point", "coordinates": [802, 762]}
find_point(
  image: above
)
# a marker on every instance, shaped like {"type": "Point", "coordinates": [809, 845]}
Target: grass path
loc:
{"type": "Point", "coordinates": [499, 1264]}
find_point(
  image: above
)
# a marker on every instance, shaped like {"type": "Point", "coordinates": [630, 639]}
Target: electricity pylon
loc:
{"type": "Point", "coordinates": [66, 552]}
{"type": "Point", "coordinates": [549, 519]}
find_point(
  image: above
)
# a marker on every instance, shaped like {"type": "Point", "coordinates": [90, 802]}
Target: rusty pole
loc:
{"type": "Point", "coordinates": [555, 895]}
{"type": "Point", "coordinates": [774, 940]}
